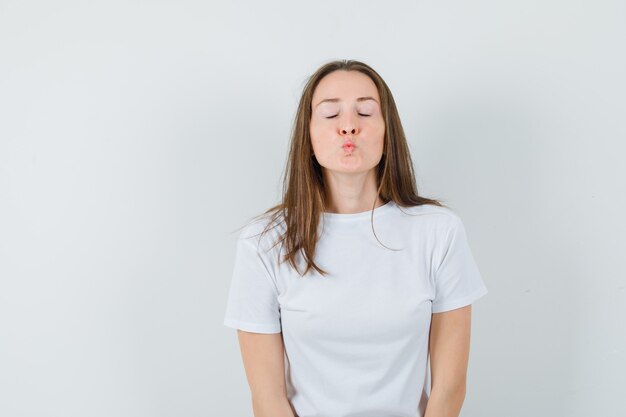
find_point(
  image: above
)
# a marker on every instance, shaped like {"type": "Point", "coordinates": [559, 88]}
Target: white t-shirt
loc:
{"type": "Point", "coordinates": [356, 341]}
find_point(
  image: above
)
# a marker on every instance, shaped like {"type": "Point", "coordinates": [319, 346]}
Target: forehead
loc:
{"type": "Point", "coordinates": [345, 85]}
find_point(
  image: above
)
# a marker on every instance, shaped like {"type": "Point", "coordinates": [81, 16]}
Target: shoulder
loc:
{"type": "Point", "coordinates": [437, 216]}
{"type": "Point", "coordinates": [438, 224]}
{"type": "Point", "coordinates": [262, 232]}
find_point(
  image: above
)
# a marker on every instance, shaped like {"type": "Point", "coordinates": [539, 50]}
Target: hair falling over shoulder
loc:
{"type": "Point", "coordinates": [303, 195]}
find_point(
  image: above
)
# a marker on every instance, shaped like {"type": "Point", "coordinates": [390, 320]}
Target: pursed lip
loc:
{"type": "Point", "coordinates": [349, 145]}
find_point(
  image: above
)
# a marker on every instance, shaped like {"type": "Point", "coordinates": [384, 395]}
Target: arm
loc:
{"type": "Point", "coordinates": [449, 356]}
{"type": "Point", "coordinates": [263, 359]}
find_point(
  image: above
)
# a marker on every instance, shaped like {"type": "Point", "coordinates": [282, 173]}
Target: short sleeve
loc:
{"type": "Point", "coordinates": [458, 281]}
{"type": "Point", "coordinates": [252, 299]}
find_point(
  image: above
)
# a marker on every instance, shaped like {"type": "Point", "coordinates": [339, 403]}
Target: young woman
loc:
{"type": "Point", "coordinates": [370, 279]}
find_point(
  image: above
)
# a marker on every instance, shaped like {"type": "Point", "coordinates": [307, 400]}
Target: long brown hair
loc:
{"type": "Point", "coordinates": [304, 196]}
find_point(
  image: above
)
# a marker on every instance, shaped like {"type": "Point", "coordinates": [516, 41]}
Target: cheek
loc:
{"type": "Point", "coordinates": [319, 136]}
{"type": "Point", "coordinates": [377, 131]}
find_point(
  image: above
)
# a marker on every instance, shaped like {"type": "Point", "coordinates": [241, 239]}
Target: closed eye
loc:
{"type": "Point", "coordinates": [360, 114]}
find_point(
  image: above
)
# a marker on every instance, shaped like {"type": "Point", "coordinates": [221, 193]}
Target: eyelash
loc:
{"type": "Point", "coordinates": [364, 115]}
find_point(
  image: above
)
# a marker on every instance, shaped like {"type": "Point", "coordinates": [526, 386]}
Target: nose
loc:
{"type": "Point", "coordinates": [349, 128]}
{"type": "Point", "coordinates": [348, 125]}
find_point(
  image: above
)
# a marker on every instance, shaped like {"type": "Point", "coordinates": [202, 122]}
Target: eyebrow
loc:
{"type": "Point", "coordinates": [334, 100]}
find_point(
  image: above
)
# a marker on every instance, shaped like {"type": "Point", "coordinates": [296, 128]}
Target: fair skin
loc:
{"type": "Point", "coordinates": [346, 109]}
{"type": "Point", "coordinates": [449, 346]}
{"type": "Point", "coordinates": [263, 359]}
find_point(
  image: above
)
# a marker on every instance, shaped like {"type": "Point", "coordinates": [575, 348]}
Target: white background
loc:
{"type": "Point", "coordinates": [135, 137]}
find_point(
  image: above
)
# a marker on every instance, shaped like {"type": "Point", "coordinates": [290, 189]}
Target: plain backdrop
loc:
{"type": "Point", "coordinates": [135, 137]}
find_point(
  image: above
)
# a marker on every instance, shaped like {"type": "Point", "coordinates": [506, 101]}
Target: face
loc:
{"type": "Point", "coordinates": [347, 126]}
